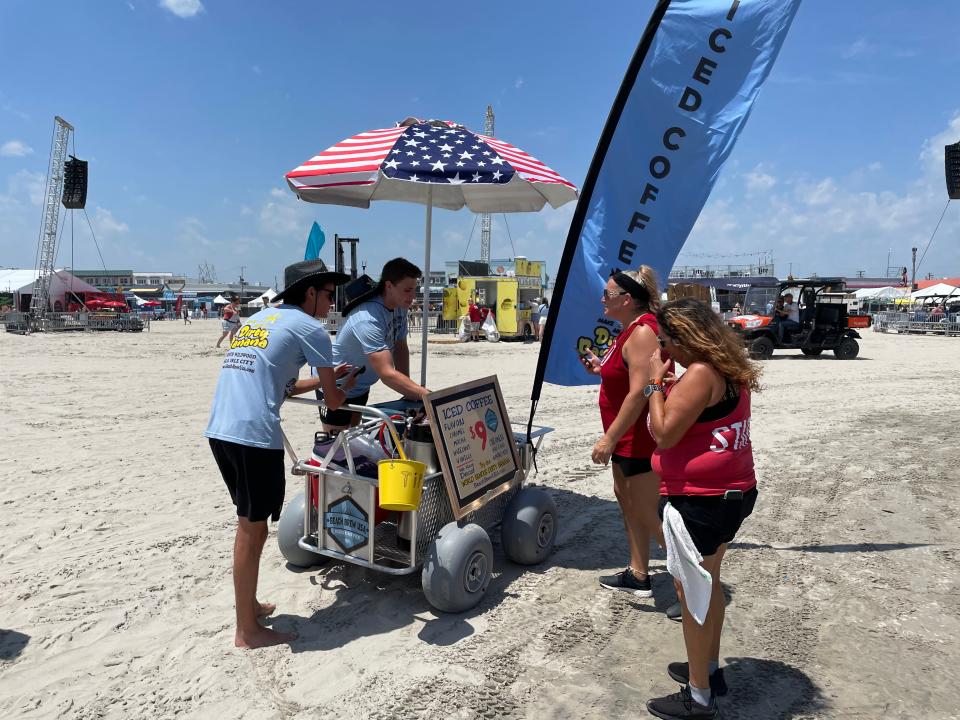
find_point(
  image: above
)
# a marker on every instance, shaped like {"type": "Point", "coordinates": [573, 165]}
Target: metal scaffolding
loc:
{"type": "Point", "coordinates": [47, 251]}
{"type": "Point", "coordinates": [485, 217]}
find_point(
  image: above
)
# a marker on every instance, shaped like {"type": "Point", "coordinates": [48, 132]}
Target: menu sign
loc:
{"type": "Point", "coordinates": [474, 442]}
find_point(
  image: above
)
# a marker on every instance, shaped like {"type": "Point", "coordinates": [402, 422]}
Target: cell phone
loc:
{"type": "Point", "coordinates": [733, 495]}
{"type": "Point", "coordinates": [359, 370]}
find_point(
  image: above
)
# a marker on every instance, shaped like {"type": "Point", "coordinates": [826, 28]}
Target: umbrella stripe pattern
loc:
{"type": "Point", "coordinates": [463, 166]}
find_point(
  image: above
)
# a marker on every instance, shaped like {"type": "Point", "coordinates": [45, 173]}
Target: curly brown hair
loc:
{"type": "Point", "coordinates": [695, 327]}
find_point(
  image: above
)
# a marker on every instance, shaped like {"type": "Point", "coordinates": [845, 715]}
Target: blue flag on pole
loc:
{"type": "Point", "coordinates": [684, 99]}
{"type": "Point", "coordinates": [314, 243]}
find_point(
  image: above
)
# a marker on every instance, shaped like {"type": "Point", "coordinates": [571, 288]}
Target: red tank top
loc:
{"type": "Point", "coordinates": [614, 386]}
{"type": "Point", "coordinates": [713, 457]}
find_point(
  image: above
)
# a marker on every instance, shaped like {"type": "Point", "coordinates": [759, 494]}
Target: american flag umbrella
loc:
{"type": "Point", "coordinates": [436, 163]}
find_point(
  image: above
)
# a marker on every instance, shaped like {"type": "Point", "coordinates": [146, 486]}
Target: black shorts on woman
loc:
{"type": "Point", "coordinates": [631, 466]}
{"type": "Point", "coordinates": [712, 520]}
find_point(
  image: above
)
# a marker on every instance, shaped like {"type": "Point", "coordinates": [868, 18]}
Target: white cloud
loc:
{"type": "Point", "coordinates": [558, 220]}
{"type": "Point", "coordinates": [932, 152]}
{"type": "Point", "coordinates": [818, 193]}
{"type": "Point", "coordinates": [15, 148]}
{"type": "Point", "coordinates": [758, 181]}
{"type": "Point", "coordinates": [832, 225]}
{"type": "Point", "coordinates": [285, 216]}
{"type": "Point", "coordinates": [191, 232]}
{"type": "Point", "coordinates": [106, 224]}
{"type": "Point", "coordinates": [25, 186]}
{"type": "Point", "coordinates": [183, 8]}
{"type": "Point", "coordinates": [857, 48]}
{"type": "Point", "coordinates": [518, 83]}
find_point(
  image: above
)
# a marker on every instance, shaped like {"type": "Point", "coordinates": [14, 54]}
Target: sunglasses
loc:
{"type": "Point", "coordinates": [331, 294]}
{"type": "Point", "coordinates": [607, 294]}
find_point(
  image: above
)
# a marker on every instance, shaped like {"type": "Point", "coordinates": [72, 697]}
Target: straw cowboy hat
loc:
{"type": "Point", "coordinates": [314, 272]}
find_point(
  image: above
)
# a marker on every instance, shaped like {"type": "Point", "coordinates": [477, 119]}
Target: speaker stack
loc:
{"type": "Point", "coordinates": [951, 162]}
{"type": "Point", "coordinates": [74, 184]}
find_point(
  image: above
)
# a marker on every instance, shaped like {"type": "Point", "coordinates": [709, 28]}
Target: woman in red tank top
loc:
{"type": "Point", "coordinates": [629, 298]}
{"type": "Point", "coordinates": [704, 455]}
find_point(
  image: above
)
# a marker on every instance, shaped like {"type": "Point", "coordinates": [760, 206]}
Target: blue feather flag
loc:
{"type": "Point", "coordinates": [314, 243]}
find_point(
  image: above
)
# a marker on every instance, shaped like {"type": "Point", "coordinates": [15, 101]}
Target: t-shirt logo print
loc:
{"type": "Point", "coordinates": [249, 336]}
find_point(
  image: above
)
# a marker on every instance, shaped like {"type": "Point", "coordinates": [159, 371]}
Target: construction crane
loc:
{"type": "Point", "coordinates": [47, 251]}
{"type": "Point", "coordinates": [485, 217]}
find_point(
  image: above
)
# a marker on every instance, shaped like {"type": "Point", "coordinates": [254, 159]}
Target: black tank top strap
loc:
{"type": "Point", "coordinates": [726, 405]}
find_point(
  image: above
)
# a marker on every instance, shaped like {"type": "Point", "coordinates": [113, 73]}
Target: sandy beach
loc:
{"type": "Point", "coordinates": [115, 586]}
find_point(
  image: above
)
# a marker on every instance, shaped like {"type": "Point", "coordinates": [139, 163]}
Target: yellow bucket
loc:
{"type": "Point", "coordinates": [401, 482]}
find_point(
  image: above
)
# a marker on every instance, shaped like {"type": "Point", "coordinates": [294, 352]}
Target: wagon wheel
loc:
{"type": "Point", "coordinates": [457, 567]}
{"type": "Point", "coordinates": [289, 532]}
{"type": "Point", "coordinates": [529, 526]}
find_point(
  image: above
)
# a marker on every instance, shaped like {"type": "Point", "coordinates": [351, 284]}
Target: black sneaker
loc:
{"type": "Point", "coordinates": [681, 706]}
{"type": "Point", "coordinates": [680, 671]}
{"type": "Point", "coordinates": [626, 580]}
{"type": "Point", "coordinates": [674, 612]}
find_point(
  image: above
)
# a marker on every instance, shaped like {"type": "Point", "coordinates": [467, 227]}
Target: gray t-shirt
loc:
{"type": "Point", "coordinates": [260, 368]}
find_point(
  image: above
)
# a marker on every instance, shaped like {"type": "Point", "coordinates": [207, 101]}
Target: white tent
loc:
{"type": "Point", "coordinates": [61, 284]}
{"type": "Point", "coordinates": [220, 300]}
{"type": "Point", "coordinates": [938, 289]}
{"type": "Point", "coordinates": [263, 299]}
{"type": "Point", "coordinates": [882, 293]}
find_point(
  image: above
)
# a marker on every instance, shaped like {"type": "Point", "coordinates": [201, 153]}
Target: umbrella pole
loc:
{"type": "Point", "coordinates": [424, 321]}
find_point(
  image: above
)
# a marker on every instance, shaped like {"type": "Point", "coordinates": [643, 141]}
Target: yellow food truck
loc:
{"type": "Point", "coordinates": [514, 299]}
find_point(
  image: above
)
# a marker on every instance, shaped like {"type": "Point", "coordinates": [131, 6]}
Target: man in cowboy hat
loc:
{"type": "Point", "coordinates": [374, 337]}
{"type": "Point", "coordinates": [261, 368]}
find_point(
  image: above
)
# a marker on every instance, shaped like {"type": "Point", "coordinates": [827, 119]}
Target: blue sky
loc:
{"type": "Point", "coordinates": [191, 111]}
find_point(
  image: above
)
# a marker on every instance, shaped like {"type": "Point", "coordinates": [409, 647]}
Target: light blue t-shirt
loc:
{"type": "Point", "coordinates": [262, 364]}
{"type": "Point", "coordinates": [369, 328]}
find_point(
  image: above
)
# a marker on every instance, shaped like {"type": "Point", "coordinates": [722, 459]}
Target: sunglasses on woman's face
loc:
{"type": "Point", "coordinates": [607, 294]}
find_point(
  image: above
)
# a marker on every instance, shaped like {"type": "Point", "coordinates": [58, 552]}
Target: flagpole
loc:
{"type": "Point", "coordinates": [426, 289]}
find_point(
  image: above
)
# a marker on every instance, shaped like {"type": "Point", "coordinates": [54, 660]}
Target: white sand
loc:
{"type": "Point", "coordinates": [115, 587]}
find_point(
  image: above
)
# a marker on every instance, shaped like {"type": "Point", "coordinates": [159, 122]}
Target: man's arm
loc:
{"type": "Point", "coordinates": [326, 380]}
{"type": "Point", "coordinates": [382, 362]}
{"type": "Point", "coordinates": [401, 357]}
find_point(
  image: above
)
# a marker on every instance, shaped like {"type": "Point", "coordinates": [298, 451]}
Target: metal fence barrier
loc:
{"type": "Point", "coordinates": [21, 322]}
{"type": "Point", "coordinates": [918, 322]}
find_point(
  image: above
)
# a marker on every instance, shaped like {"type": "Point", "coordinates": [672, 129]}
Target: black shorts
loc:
{"type": "Point", "coordinates": [711, 520]}
{"type": "Point", "coordinates": [255, 477]}
{"type": "Point", "coordinates": [341, 418]}
{"type": "Point", "coordinates": [632, 466]}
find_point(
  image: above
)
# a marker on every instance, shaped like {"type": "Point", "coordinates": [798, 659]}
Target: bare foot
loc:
{"type": "Point", "coordinates": [262, 637]}
{"type": "Point", "coordinates": [265, 609]}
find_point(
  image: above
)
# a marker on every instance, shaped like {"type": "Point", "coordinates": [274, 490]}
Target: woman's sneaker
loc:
{"type": "Point", "coordinates": [629, 582]}
{"type": "Point", "coordinates": [681, 706]}
{"type": "Point", "coordinates": [680, 671]}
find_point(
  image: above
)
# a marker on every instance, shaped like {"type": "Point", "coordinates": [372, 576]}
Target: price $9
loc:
{"type": "Point", "coordinates": [479, 431]}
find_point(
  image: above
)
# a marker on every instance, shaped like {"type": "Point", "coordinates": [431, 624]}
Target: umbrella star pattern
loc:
{"type": "Point", "coordinates": [436, 142]}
